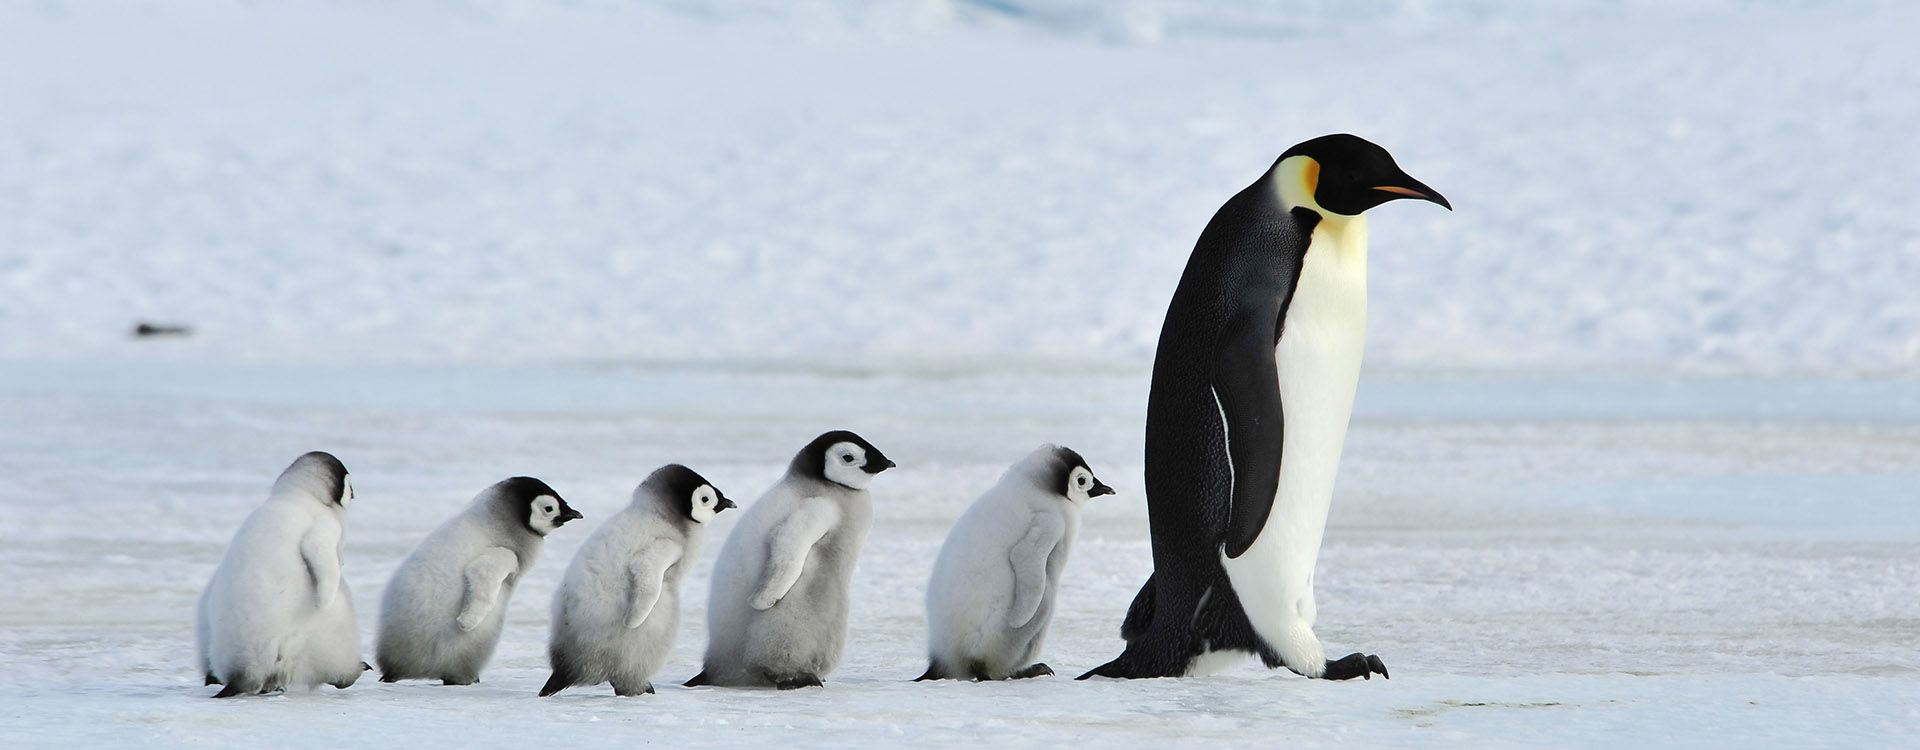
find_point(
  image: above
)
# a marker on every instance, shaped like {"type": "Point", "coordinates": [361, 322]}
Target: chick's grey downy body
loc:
{"type": "Point", "coordinates": [617, 613]}
{"type": "Point", "coordinates": [991, 596]}
{"type": "Point", "coordinates": [444, 608]}
{"type": "Point", "coordinates": [278, 612]}
{"type": "Point", "coordinates": [779, 603]}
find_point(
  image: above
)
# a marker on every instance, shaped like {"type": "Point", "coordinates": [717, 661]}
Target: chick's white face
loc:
{"type": "Point", "coordinates": [1079, 482]}
{"type": "Point", "coordinates": [544, 515]}
{"type": "Point", "coordinates": [846, 463]}
{"type": "Point", "coordinates": [705, 502]}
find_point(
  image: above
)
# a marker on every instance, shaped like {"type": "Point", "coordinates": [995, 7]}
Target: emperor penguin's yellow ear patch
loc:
{"type": "Point", "coordinates": [1310, 176]}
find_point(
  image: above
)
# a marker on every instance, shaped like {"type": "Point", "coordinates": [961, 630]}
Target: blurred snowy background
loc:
{"type": "Point", "coordinates": [1719, 185]}
{"type": "Point", "coordinates": [1635, 459]}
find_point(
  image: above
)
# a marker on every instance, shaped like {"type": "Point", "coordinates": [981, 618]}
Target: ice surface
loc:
{"type": "Point", "coordinates": [1537, 575]}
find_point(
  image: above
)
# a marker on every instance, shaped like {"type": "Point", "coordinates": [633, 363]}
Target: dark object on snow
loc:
{"type": "Point", "coordinates": [148, 330]}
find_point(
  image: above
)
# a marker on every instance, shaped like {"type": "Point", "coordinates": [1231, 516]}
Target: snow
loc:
{"type": "Point", "coordinates": [1717, 186]}
{"type": "Point", "coordinates": [1544, 573]}
{"type": "Point", "coordinates": [1633, 459]}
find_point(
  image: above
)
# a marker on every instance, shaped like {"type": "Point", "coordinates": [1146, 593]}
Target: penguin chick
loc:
{"type": "Point", "coordinates": [993, 587]}
{"type": "Point", "coordinates": [617, 613]}
{"type": "Point", "coordinates": [777, 610]}
{"type": "Point", "coordinates": [277, 612]}
{"type": "Point", "coordinates": [442, 612]}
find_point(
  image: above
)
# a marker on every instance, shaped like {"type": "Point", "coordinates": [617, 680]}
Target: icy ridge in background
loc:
{"type": "Point", "coordinates": [1719, 186]}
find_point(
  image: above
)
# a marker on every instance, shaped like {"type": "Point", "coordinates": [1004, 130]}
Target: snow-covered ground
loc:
{"type": "Point", "coordinates": [1635, 459]}
{"type": "Point", "coordinates": [1539, 561]}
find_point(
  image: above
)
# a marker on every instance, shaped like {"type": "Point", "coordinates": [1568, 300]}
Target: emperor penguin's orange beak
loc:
{"type": "Point", "coordinates": [1413, 189]}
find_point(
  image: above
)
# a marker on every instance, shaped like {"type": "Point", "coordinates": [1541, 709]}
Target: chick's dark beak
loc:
{"type": "Point", "coordinates": [724, 504]}
{"type": "Point", "coordinates": [1404, 186]}
{"type": "Point", "coordinates": [567, 513]}
{"type": "Point", "coordinates": [877, 464]}
{"type": "Point", "coordinates": [1099, 488]}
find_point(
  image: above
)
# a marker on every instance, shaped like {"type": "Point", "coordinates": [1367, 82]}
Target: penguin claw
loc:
{"type": "Point", "coordinates": [1037, 670]}
{"type": "Point", "coordinates": [797, 682]}
{"type": "Point", "coordinates": [1356, 664]}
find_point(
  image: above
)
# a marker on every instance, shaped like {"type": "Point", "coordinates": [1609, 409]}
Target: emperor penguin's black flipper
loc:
{"type": "Point", "coordinates": [698, 680]}
{"type": "Point", "coordinates": [1140, 614]}
{"type": "Point", "coordinates": [1244, 375]}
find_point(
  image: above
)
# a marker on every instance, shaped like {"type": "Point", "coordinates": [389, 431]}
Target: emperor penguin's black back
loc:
{"type": "Point", "coordinates": [1243, 268]}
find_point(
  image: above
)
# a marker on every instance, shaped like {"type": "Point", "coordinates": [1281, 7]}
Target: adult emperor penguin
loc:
{"type": "Point", "coordinates": [1253, 384]}
{"type": "Point", "coordinates": [441, 615]}
{"type": "Point", "coordinates": [277, 612]}
{"type": "Point", "coordinates": [993, 586]}
{"type": "Point", "coordinates": [777, 609]}
{"type": "Point", "coordinates": [617, 612]}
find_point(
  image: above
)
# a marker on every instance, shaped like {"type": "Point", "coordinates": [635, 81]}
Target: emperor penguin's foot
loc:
{"type": "Point", "coordinates": [932, 673]}
{"type": "Point", "coordinates": [211, 680]}
{"type": "Point", "coordinates": [697, 680]}
{"type": "Point", "coordinates": [1364, 666]}
{"type": "Point", "coordinates": [389, 677]}
{"type": "Point", "coordinates": [1037, 670]}
{"type": "Point", "coordinates": [624, 689]}
{"type": "Point", "coordinates": [458, 680]}
{"type": "Point", "coordinates": [365, 667]}
{"type": "Point", "coordinates": [797, 681]}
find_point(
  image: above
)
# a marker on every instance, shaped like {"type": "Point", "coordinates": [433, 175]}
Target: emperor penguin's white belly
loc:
{"type": "Point", "coordinates": [1319, 367]}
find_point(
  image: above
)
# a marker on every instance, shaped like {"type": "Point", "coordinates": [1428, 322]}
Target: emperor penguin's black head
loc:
{"type": "Point", "coordinates": [1073, 478]}
{"type": "Point", "coordinates": [1345, 175]}
{"type": "Point", "coordinates": [686, 492]}
{"type": "Point", "coordinates": [841, 457]}
{"type": "Point", "coordinates": [536, 505]}
{"type": "Point", "coordinates": [318, 474]}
